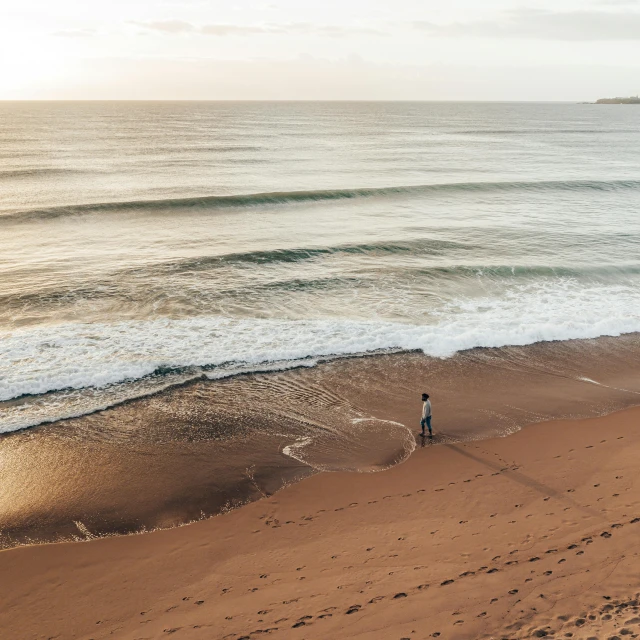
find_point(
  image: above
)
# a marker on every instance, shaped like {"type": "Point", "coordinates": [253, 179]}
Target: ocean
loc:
{"type": "Point", "coordinates": [147, 246]}
{"type": "Point", "coordinates": [145, 243]}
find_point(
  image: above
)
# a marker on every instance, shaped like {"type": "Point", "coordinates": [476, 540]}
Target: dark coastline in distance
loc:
{"type": "Point", "coordinates": [630, 100]}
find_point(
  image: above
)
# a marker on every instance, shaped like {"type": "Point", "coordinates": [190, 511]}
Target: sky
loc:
{"type": "Point", "coordinates": [323, 50]}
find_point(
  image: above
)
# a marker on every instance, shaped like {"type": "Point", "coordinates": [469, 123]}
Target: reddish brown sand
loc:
{"type": "Point", "coordinates": [533, 535]}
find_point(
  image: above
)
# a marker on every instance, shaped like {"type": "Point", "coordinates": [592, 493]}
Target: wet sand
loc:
{"type": "Point", "coordinates": [201, 449]}
{"type": "Point", "coordinates": [533, 535]}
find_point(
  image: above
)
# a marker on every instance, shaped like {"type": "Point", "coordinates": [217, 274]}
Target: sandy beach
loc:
{"type": "Point", "coordinates": [196, 450]}
{"type": "Point", "coordinates": [531, 535]}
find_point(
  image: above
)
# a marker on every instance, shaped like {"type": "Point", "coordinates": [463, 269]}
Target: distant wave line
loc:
{"type": "Point", "coordinates": [7, 174]}
{"type": "Point", "coordinates": [300, 197]}
{"type": "Point", "coordinates": [101, 289]}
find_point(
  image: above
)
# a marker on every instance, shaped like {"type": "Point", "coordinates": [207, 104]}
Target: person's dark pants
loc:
{"type": "Point", "coordinates": [426, 421]}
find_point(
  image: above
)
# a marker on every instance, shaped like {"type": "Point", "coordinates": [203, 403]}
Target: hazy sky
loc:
{"type": "Point", "coordinates": [329, 49]}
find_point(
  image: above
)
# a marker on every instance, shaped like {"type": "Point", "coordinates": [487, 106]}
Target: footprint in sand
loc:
{"type": "Point", "coordinates": [353, 609]}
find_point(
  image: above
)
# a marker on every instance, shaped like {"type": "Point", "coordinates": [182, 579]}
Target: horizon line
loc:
{"type": "Point", "coordinates": [290, 100]}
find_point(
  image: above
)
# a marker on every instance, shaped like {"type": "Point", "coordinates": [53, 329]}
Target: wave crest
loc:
{"type": "Point", "coordinates": [267, 199]}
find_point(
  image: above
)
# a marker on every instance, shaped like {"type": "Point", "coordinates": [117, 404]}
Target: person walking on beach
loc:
{"type": "Point", "coordinates": [426, 414]}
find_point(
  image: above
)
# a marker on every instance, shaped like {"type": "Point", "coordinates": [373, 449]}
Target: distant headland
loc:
{"type": "Point", "coordinates": [631, 100]}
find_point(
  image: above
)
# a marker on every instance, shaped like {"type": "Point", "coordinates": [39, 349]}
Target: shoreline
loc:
{"type": "Point", "coordinates": [200, 449]}
{"type": "Point", "coordinates": [559, 498]}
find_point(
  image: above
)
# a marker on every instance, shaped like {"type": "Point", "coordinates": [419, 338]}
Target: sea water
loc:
{"type": "Point", "coordinates": [143, 245]}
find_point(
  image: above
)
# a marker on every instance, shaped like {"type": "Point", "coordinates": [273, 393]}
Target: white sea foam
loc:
{"type": "Point", "coordinates": [75, 356]}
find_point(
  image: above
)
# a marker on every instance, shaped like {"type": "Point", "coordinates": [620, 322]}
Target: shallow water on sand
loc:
{"type": "Point", "coordinates": [197, 450]}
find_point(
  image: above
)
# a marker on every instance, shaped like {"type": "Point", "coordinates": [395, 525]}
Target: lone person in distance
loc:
{"type": "Point", "coordinates": [426, 415]}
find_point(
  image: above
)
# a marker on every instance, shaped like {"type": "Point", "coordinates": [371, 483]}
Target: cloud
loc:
{"type": "Point", "coordinates": [332, 31]}
{"type": "Point", "coordinates": [167, 26]}
{"type": "Point", "coordinates": [232, 30]}
{"type": "Point", "coordinates": [617, 3]}
{"type": "Point", "coordinates": [171, 27]}
{"type": "Point", "coordinates": [546, 25]}
{"type": "Point", "coordinates": [75, 33]}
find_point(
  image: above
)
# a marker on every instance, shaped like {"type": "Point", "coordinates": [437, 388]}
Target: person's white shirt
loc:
{"type": "Point", "coordinates": [426, 409]}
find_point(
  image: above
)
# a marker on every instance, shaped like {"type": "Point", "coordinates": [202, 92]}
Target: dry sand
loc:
{"type": "Point", "coordinates": [533, 535]}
